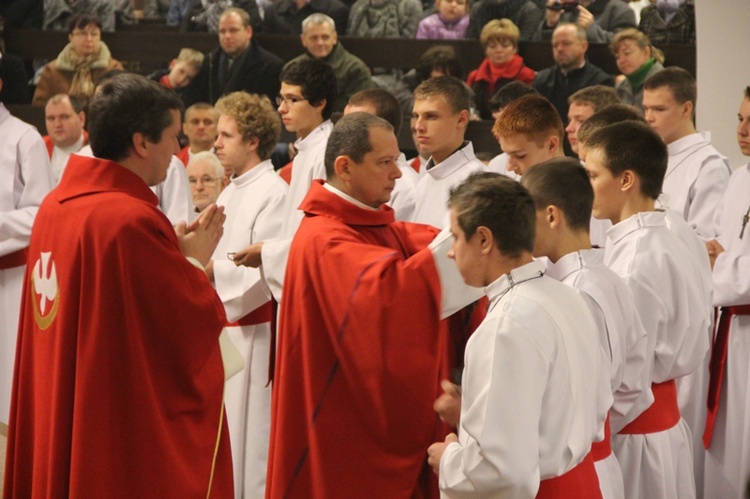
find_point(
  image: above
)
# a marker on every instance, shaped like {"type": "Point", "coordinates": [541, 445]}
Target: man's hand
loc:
{"type": "Point", "coordinates": [199, 239]}
{"type": "Point", "coordinates": [551, 17]}
{"type": "Point", "coordinates": [448, 405]}
{"type": "Point", "coordinates": [435, 452]}
{"type": "Point", "coordinates": [250, 256]}
{"type": "Point", "coordinates": [714, 250]}
{"type": "Point", "coordinates": [585, 18]}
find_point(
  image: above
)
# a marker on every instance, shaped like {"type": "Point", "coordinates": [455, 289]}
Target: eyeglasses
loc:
{"type": "Point", "coordinates": [87, 34]}
{"type": "Point", "coordinates": [205, 180]}
{"type": "Point", "coordinates": [288, 100]}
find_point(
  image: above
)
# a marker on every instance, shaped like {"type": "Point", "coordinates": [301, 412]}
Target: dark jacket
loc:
{"type": "Point", "coordinates": [352, 75]}
{"type": "Point", "coordinates": [679, 29]}
{"type": "Point", "coordinates": [557, 86]}
{"type": "Point", "coordinates": [15, 88]}
{"type": "Point", "coordinates": [524, 14]}
{"type": "Point", "coordinates": [284, 16]}
{"type": "Point", "coordinates": [255, 70]}
{"type": "Point", "coordinates": [610, 16]}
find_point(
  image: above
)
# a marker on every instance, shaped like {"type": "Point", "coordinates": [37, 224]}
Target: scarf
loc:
{"type": "Point", "coordinates": [490, 73]}
{"type": "Point", "coordinates": [82, 85]}
{"type": "Point", "coordinates": [637, 77]}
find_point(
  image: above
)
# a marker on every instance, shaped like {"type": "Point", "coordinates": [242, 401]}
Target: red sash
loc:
{"type": "Point", "coordinates": [15, 259]}
{"type": "Point", "coordinates": [602, 450]}
{"type": "Point", "coordinates": [262, 314]}
{"type": "Point", "coordinates": [579, 483]}
{"type": "Point", "coordinates": [717, 366]}
{"type": "Point", "coordinates": [663, 414]}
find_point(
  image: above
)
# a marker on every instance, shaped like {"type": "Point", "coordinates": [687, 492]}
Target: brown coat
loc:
{"type": "Point", "coordinates": [55, 81]}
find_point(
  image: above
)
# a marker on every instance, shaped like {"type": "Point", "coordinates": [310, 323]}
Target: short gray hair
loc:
{"type": "Point", "coordinates": [211, 158]}
{"type": "Point", "coordinates": [317, 19]}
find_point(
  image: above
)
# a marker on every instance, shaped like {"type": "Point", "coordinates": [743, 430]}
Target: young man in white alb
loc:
{"type": "Point", "coordinates": [563, 197]}
{"type": "Point", "coordinates": [531, 437]}
{"type": "Point", "coordinates": [441, 115]}
{"type": "Point", "coordinates": [697, 174]}
{"type": "Point", "coordinates": [305, 102]}
{"type": "Point", "coordinates": [626, 163]}
{"type": "Point", "coordinates": [727, 447]}
{"type": "Point", "coordinates": [248, 129]}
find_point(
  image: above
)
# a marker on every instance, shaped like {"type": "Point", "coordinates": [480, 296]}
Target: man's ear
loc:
{"type": "Point", "coordinates": [140, 144]}
{"type": "Point", "coordinates": [463, 117]}
{"type": "Point", "coordinates": [627, 180]}
{"type": "Point", "coordinates": [321, 105]}
{"type": "Point", "coordinates": [687, 109]}
{"type": "Point", "coordinates": [485, 238]}
{"type": "Point", "coordinates": [553, 215]}
{"type": "Point", "coordinates": [342, 166]}
{"type": "Point", "coordinates": [252, 143]}
{"type": "Point", "coordinates": [553, 144]}
{"type": "Point", "coordinates": [172, 64]}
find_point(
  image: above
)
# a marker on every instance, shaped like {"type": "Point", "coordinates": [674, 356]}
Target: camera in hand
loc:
{"type": "Point", "coordinates": [569, 6]}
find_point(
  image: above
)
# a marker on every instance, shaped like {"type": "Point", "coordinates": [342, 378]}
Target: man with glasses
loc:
{"type": "Point", "coordinates": [308, 94]}
{"type": "Point", "coordinates": [206, 178]}
{"type": "Point", "coordinates": [249, 128]}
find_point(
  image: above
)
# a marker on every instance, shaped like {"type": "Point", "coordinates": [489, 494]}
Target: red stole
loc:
{"type": "Point", "coordinates": [717, 366]}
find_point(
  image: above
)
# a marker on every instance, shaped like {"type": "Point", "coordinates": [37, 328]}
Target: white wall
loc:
{"type": "Point", "coordinates": [723, 66]}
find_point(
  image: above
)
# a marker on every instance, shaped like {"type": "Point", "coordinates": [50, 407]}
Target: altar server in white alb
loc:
{"type": "Point", "coordinates": [249, 128]}
{"type": "Point", "coordinates": [691, 389]}
{"type": "Point", "coordinates": [26, 176]}
{"type": "Point", "coordinates": [696, 178]}
{"type": "Point", "coordinates": [697, 174]}
{"type": "Point", "coordinates": [626, 163]}
{"type": "Point", "coordinates": [563, 197]}
{"type": "Point", "coordinates": [440, 117]}
{"type": "Point", "coordinates": [308, 94]}
{"type": "Point", "coordinates": [531, 437]}
{"type": "Point", "coordinates": [728, 422]}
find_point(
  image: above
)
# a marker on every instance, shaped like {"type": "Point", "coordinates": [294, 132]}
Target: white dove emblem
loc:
{"type": "Point", "coordinates": [45, 284]}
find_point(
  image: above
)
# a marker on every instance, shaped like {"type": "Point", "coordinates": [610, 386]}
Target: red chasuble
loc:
{"type": "Point", "coordinates": [118, 382]}
{"type": "Point", "coordinates": [359, 356]}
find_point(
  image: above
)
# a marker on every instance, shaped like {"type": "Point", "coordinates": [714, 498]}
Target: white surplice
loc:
{"type": "Point", "coordinates": [403, 198]}
{"type": "Point", "coordinates": [60, 156]}
{"type": "Point", "coordinates": [254, 205]}
{"type": "Point", "coordinates": [434, 187]}
{"type": "Point", "coordinates": [692, 389]}
{"type": "Point", "coordinates": [26, 176]}
{"type": "Point", "coordinates": [529, 393]}
{"type": "Point", "coordinates": [308, 165]}
{"type": "Point", "coordinates": [175, 200]}
{"type": "Point", "coordinates": [670, 301]}
{"type": "Point", "coordinates": [623, 339]}
{"type": "Point", "coordinates": [727, 467]}
{"type": "Point", "coordinates": [697, 175]}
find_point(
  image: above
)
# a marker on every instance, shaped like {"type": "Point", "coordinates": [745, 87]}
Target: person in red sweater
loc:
{"type": "Point", "coordinates": [503, 64]}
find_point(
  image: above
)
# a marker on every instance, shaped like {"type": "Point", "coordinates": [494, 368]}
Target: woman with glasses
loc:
{"type": "Point", "coordinates": [79, 64]}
